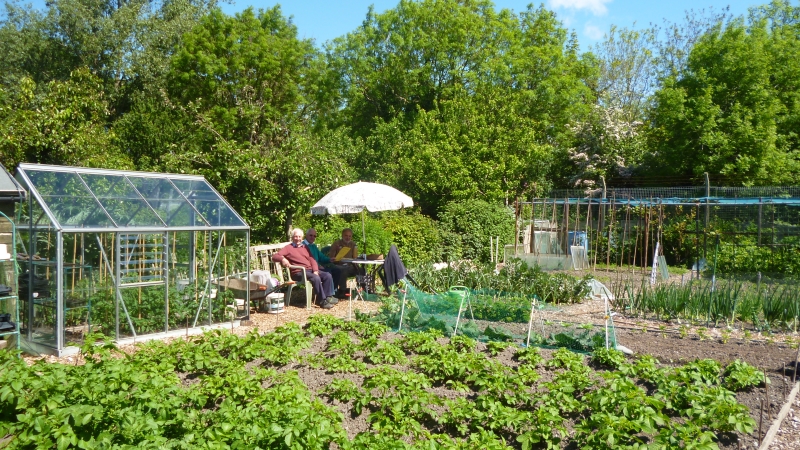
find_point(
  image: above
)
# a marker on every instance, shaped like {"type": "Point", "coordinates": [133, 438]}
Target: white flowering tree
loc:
{"type": "Point", "coordinates": [606, 145]}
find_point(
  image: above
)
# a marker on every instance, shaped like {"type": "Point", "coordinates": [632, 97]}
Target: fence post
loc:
{"type": "Point", "coordinates": [705, 227]}
{"type": "Point", "coordinates": [760, 215]}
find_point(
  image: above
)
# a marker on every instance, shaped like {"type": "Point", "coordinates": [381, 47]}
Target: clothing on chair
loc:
{"type": "Point", "coordinates": [393, 267]}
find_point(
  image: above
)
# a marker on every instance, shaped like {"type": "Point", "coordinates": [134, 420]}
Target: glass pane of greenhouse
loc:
{"type": "Point", "coordinates": [125, 254]}
{"type": "Point", "coordinates": [69, 200]}
{"type": "Point", "coordinates": [172, 207]}
{"type": "Point", "coordinates": [118, 196]}
{"type": "Point", "coordinates": [36, 256]}
{"type": "Point", "coordinates": [206, 200]}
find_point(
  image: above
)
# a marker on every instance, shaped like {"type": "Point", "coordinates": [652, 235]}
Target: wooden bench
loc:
{"type": "Point", "coordinates": [261, 259]}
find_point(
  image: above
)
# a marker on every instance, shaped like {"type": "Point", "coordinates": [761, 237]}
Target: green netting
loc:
{"type": "Point", "coordinates": [488, 315]}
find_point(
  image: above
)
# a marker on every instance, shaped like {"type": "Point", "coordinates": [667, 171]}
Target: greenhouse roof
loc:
{"type": "Point", "coordinates": [77, 198]}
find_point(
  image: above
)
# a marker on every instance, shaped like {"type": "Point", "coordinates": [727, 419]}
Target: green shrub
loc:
{"type": "Point", "coordinates": [476, 221]}
{"type": "Point", "coordinates": [416, 235]}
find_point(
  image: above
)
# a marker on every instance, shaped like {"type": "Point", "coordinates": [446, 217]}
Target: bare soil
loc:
{"type": "Point", "coordinates": [669, 350]}
{"type": "Point", "coordinates": [671, 343]}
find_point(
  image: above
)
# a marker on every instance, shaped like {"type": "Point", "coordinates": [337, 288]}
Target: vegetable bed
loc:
{"type": "Point", "coordinates": [351, 385]}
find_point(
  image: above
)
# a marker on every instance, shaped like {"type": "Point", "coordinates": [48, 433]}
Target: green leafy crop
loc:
{"type": "Point", "coordinates": [740, 376]}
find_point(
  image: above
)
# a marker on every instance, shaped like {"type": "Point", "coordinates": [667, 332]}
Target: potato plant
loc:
{"type": "Point", "coordinates": [417, 392]}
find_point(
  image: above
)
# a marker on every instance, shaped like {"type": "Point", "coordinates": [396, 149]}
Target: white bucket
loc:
{"type": "Point", "coordinates": [275, 306]}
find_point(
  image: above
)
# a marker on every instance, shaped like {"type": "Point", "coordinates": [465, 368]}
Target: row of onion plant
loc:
{"type": "Point", "coordinates": [762, 306]}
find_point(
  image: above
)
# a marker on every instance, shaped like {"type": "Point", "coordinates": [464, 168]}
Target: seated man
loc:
{"type": "Point", "coordinates": [324, 264]}
{"type": "Point", "coordinates": [345, 241]}
{"type": "Point", "coordinates": [297, 254]}
{"type": "Point", "coordinates": [347, 270]}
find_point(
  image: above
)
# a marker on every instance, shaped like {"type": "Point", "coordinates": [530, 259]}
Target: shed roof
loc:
{"type": "Point", "coordinates": [84, 199]}
{"type": "Point", "coordinates": [10, 190]}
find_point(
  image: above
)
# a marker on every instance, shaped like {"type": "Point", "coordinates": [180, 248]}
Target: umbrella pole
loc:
{"type": "Point", "coordinates": [363, 232]}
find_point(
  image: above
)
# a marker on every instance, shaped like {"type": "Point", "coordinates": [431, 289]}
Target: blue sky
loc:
{"type": "Point", "coordinates": [323, 20]}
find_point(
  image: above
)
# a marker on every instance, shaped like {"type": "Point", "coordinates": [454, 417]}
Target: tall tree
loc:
{"type": "Point", "coordinates": [469, 147]}
{"type": "Point", "coordinates": [65, 123]}
{"type": "Point", "coordinates": [125, 43]}
{"type": "Point", "coordinates": [234, 109]}
{"type": "Point", "coordinates": [475, 99]}
{"type": "Point", "coordinates": [554, 81]}
{"type": "Point", "coordinates": [409, 58]}
{"type": "Point", "coordinates": [725, 112]}
{"type": "Point", "coordinates": [627, 71]}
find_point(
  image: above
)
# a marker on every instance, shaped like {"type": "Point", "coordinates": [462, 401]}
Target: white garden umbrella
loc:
{"type": "Point", "coordinates": [360, 197]}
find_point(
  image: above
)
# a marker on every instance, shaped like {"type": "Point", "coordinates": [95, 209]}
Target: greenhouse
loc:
{"type": "Point", "coordinates": [125, 254]}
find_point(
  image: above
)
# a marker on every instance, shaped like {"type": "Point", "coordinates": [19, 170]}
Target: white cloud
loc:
{"type": "Point", "coordinates": [592, 32]}
{"type": "Point", "coordinates": [597, 7]}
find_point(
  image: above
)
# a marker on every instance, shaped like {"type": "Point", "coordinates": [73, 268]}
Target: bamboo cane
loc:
{"type": "Point", "coordinates": [783, 378]}
{"type": "Point", "coordinates": [532, 227]}
{"type": "Point", "coordinates": [74, 259]}
{"type": "Point", "coordinates": [635, 249]}
{"type": "Point", "coordinates": [646, 237]}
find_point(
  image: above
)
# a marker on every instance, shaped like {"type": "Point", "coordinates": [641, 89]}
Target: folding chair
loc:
{"type": "Point", "coordinates": [261, 259]}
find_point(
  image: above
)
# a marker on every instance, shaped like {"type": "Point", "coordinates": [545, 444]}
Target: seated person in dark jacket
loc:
{"type": "Point", "coordinates": [297, 254]}
{"type": "Point", "coordinates": [324, 263]}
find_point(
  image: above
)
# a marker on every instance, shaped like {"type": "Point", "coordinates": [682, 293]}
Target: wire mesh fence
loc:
{"type": "Point", "coordinates": [735, 231]}
{"type": "Point", "coordinates": [489, 315]}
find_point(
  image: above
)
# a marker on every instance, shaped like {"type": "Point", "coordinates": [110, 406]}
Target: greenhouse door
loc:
{"type": "Point", "coordinates": [142, 278]}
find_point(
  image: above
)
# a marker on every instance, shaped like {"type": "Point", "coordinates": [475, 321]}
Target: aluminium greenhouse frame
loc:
{"type": "Point", "coordinates": [130, 225]}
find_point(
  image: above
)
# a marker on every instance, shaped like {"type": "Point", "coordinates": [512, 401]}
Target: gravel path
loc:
{"type": "Point", "coordinates": [299, 314]}
{"type": "Point", "coordinates": [788, 437]}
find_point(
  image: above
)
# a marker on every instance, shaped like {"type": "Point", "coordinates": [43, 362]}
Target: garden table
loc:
{"type": "Point", "coordinates": [371, 268]}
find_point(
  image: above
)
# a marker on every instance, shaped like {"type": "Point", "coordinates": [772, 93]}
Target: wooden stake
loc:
{"type": "Point", "coordinates": [225, 244]}
{"type": "Point", "coordinates": [83, 252]}
{"type": "Point", "coordinates": [532, 228]}
{"type": "Point", "coordinates": [796, 357]}
{"type": "Point", "coordinates": [766, 389]}
{"type": "Point", "coordinates": [47, 269]}
{"type": "Point", "coordinates": [610, 230]}
{"type": "Point", "coordinates": [635, 249]}
{"type": "Point", "coordinates": [566, 225]}
{"type": "Point", "coordinates": [624, 235]}
{"type": "Point", "coordinates": [760, 422]}
{"type": "Point", "coordinates": [646, 238]}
